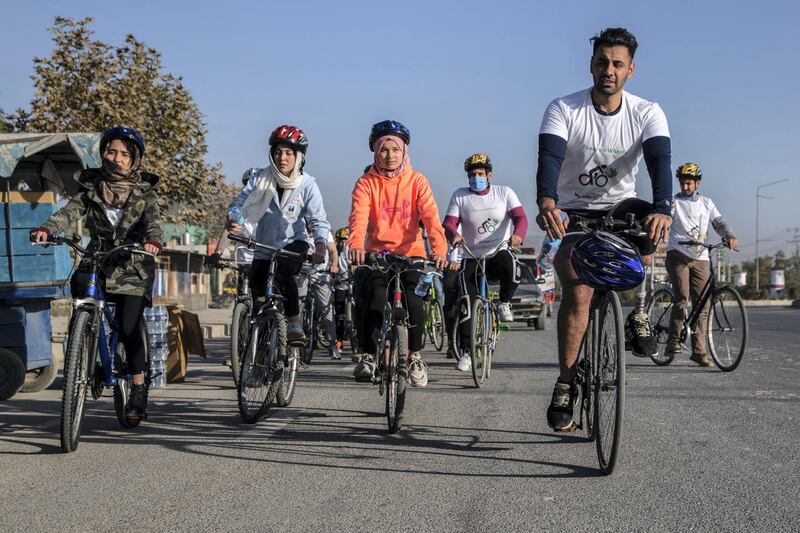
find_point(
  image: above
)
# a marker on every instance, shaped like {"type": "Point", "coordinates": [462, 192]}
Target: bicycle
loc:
{"type": "Point", "coordinates": [600, 371]}
{"type": "Point", "coordinates": [482, 314]}
{"type": "Point", "coordinates": [346, 319]}
{"type": "Point", "coordinates": [240, 318]}
{"type": "Point", "coordinates": [392, 343]}
{"type": "Point", "coordinates": [92, 334]}
{"type": "Point", "coordinates": [434, 319]}
{"type": "Point", "coordinates": [313, 318]}
{"type": "Point", "coordinates": [269, 366]}
{"type": "Point", "coordinates": [726, 322]}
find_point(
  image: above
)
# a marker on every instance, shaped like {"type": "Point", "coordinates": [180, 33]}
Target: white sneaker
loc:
{"type": "Point", "coordinates": [417, 371]}
{"type": "Point", "coordinates": [464, 362]}
{"type": "Point", "coordinates": [504, 312]}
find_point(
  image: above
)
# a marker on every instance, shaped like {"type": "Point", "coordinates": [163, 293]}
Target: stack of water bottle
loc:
{"type": "Point", "coordinates": [156, 319]}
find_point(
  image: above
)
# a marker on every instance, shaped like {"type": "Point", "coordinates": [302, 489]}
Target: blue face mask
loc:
{"type": "Point", "coordinates": [478, 183]}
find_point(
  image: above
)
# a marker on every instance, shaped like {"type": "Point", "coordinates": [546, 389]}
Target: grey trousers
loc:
{"type": "Point", "coordinates": [688, 277]}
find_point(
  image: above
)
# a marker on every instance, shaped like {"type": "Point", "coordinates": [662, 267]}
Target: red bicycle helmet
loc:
{"type": "Point", "coordinates": [291, 135]}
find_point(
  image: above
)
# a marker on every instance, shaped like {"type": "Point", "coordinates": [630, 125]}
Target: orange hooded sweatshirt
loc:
{"type": "Point", "coordinates": [385, 214]}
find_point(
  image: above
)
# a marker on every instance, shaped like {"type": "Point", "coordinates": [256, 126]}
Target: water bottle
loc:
{"type": "Point", "coordinates": [549, 249]}
{"type": "Point", "coordinates": [424, 284]}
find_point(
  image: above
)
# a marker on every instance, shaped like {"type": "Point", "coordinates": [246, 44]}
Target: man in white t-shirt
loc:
{"type": "Point", "coordinates": [318, 279]}
{"type": "Point", "coordinates": [688, 266]}
{"type": "Point", "coordinates": [489, 215]}
{"type": "Point", "coordinates": [590, 146]}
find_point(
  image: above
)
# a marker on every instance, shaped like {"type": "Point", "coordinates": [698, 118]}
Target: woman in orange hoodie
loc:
{"type": "Point", "coordinates": [389, 201]}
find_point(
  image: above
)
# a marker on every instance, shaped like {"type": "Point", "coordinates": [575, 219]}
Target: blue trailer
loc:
{"type": "Point", "coordinates": [36, 176]}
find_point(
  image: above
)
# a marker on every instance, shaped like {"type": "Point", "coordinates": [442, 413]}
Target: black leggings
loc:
{"type": "Point", "coordinates": [128, 314]}
{"type": "Point", "coordinates": [501, 267]}
{"type": "Point", "coordinates": [376, 289]}
{"type": "Point", "coordinates": [284, 278]}
{"type": "Point", "coordinates": [451, 293]}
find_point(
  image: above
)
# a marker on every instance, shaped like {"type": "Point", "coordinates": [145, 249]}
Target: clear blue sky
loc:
{"type": "Point", "coordinates": [464, 77]}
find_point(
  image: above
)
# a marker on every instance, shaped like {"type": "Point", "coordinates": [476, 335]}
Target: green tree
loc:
{"type": "Point", "coordinates": [5, 124]}
{"type": "Point", "coordinates": [89, 85]}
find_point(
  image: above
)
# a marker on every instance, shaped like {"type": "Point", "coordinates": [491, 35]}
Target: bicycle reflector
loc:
{"type": "Point", "coordinates": [603, 260]}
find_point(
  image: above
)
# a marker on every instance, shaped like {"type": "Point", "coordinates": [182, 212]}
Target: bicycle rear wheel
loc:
{"type": "Point", "coordinates": [396, 386]}
{"type": "Point", "coordinates": [240, 331]}
{"type": "Point", "coordinates": [320, 334]}
{"type": "Point", "coordinates": [261, 368]}
{"type": "Point", "coordinates": [309, 328]}
{"type": "Point", "coordinates": [491, 340]}
{"type": "Point", "coordinates": [288, 381]}
{"type": "Point", "coordinates": [609, 381]}
{"type": "Point", "coordinates": [478, 342]}
{"type": "Point", "coordinates": [73, 398]}
{"type": "Point", "coordinates": [436, 320]}
{"type": "Point", "coordinates": [727, 329]}
{"type": "Point", "coordinates": [659, 310]}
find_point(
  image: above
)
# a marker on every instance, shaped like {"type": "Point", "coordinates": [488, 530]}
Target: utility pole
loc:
{"type": "Point", "coordinates": [758, 197]}
{"type": "Point", "coordinates": [796, 241]}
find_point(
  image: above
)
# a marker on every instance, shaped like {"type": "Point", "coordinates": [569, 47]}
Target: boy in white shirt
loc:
{"type": "Point", "coordinates": [688, 266]}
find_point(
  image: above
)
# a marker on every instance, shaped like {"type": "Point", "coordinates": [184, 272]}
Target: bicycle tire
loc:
{"type": "Point", "coordinates": [288, 382]}
{"type": "Point", "coordinates": [609, 381]}
{"type": "Point", "coordinates": [258, 379]}
{"type": "Point", "coordinates": [240, 332]}
{"type": "Point", "coordinates": [73, 397]}
{"type": "Point", "coordinates": [584, 377]}
{"type": "Point", "coordinates": [436, 331]}
{"type": "Point", "coordinates": [726, 307]}
{"type": "Point", "coordinates": [477, 342]}
{"type": "Point", "coordinates": [659, 309]}
{"type": "Point", "coordinates": [396, 386]}
{"type": "Point", "coordinates": [320, 334]}
{"type": "Point", "coordinates": [308, 327]}
{"type": "Point", "coordinates": [494, 333]}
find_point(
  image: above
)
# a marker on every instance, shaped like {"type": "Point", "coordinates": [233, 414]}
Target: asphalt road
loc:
{"type": "Point", "coordinates": [702, 450]}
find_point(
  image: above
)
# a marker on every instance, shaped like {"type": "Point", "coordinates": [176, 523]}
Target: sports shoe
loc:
{"type": "Point", "coordinates": [559, 414]}
{"type": "Point", "coordinates": [673, 347]}
{"type": "Point", "coordinates": [451, 352]}
{"type": "Point", "coordinates": [137, 403]}
{"type": "Point", "coordinates": [638, 330]}
{"type": "Point", "coordinates": [336, 353]}
{"type": "Point", "coordinates": [295, 333]}
{"type": "Point", "coordinates": [504, 312]}
{"type": "Point", "coordinates": [365, 368]}
{"type": "Point", "coordinates": [701, 359]}
{"type": "Point", "coordinates": [417, 371]}
{"type": "Point", "coordinates": [464, 362]}
{"type": "Point", "coordinates": [226, 361]}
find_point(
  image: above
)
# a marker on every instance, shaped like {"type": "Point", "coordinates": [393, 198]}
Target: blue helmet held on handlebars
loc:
{"type": "Point", "coordinates": [603, 260]}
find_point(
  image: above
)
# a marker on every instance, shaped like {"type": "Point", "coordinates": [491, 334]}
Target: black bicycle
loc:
{"type": "Point", "coordinates": [600, 371]}
{"type": "Point", "coordinates": [95, 359]}
{"type": "Point", "coordinates": [726, 321]}
{"type": "Point", "coordinates": [269, 365]}
{"type": "Point", "coordinates": [345, 320]}
{"type": "Point", "coordinates": [392, 344]}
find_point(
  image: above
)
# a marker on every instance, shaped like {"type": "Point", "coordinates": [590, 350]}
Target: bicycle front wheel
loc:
{"type": "Point", "coordinates": [261, 368]}
{"type": "Point", "coordinates": [309, 328]}
{"type": "Point", "coordinates": [609, 381]}
{"type": "Point", "coordinates": [289, 378]}
{"type": "Point", "coordinates": [659, 310]}
{"type": "Point", "coordinates": [478, 342]}
{"type": "Point", "coordinates": [396, 386]}
{"type": "Point", "coordinates": [240, 332]}
{"type": "Point", "coordinates": [727, 329]}
{"type": "Point", "coordinates": [436, 318]}
{"type": "Point", "coordinates": [73, 398]}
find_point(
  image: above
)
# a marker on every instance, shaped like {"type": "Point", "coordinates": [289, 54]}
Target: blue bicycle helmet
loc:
{"type": "Point", "coordinates": [120, 132]}
{"type": "Point", "coordinates": [604, 261]}
{"type": "Point", "coordinates": [388, 127]}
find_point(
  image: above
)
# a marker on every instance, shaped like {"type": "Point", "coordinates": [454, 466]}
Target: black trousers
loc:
{"type": "Point", "coordinates": [128, 314]}
{"type": "Point", "coordinates": [374, 290]}
{"type": "Point", "coordinates": [451, 293]}
{"type": "Point", "coordinates": [502, 268]}
{"type": "Point", "coordinates": [284, 278]}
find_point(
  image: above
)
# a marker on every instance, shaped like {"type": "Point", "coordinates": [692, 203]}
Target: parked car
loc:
{"type": "Point", "coordinates": [528, 303]}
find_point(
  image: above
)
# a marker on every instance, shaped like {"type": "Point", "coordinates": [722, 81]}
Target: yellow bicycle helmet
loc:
{"type": "Point", "coordinates": [478, 160]}
{"type": "Point", "coordinates": [342, 233]}
{"type": "Point", "coordinates": [689, 170]}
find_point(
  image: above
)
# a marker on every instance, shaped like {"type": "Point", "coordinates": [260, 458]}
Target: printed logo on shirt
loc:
{"type": "Point", "coordinates": [598, 176]}
{"type": "Point", "coordinates": [387, 211]}
{"type": "Point", "coordinates": [488, 226]}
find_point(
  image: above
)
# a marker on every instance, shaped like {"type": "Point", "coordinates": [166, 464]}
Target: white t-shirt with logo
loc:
{"type": "Point", "coordinates": [484, 217]}
{"type": "Point", "coordinates": [690, 218]}
{"type": "Point", "coordinates": [603, 151]}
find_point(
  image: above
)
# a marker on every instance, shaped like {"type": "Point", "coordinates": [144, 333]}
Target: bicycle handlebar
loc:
{"type": "Point", "coordinates": [502, 245]}
{"type": "Point", "coordinates": [253, 245]}
{"type": "Point", "coordinates": [629, 226]}
{"type": "Point", "coordinates": [708, 247]}
{"type": "Point", "coordinates": [132, 247]}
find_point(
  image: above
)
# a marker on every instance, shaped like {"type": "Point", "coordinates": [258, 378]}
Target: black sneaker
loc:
{"type": "Point", "coordinates": [640, 334]}
{"type": "Point", "coordinates": [559, 414]}
{"type": "Point", "coordinates": [137, 403]}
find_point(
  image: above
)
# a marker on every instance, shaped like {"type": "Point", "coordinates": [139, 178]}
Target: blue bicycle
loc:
{"type": "Point", "coordinates": [95, 360]}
